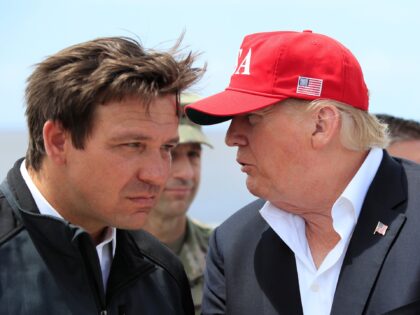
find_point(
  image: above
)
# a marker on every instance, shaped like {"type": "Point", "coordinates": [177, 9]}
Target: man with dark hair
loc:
{"type": "Point", "coordinates": [103, 118]}
{"type": "Point", "coordinates": [168, 220]}
{"type": "Point", "coordinates": [338, 220]}
{"type": "Point", "coordinates": [404, 135]}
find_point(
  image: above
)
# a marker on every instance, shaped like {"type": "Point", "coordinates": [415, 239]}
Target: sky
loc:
{"type": "Point", "coordinates": [383, 35]}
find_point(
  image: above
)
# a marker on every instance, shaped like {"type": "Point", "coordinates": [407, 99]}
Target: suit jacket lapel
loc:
{"type": "Point", "coordinates": [275, 269]}
{"type": "Point", "coordinates": [367, 251]}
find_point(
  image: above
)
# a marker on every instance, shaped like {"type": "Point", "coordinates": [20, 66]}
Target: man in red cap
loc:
{"type": "Point", "coordinates": [338, 220]}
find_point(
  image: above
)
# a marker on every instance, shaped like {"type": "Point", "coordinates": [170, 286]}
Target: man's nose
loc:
{"type": "Point", "coordinates": [235, 135]}
{"type": "Point", "coordinates": [182, 168]}
{"type": "Point", "coordinates": [154, 169]}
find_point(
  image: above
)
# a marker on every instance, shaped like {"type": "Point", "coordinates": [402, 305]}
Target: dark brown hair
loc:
{"type": "Point", "coordinates": [400, 129]}
{"type": "Point", "coordinates": [67, 87]}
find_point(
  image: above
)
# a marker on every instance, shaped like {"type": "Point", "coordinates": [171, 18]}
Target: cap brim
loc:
{"type": "Point", "coordinates": [223, 106]}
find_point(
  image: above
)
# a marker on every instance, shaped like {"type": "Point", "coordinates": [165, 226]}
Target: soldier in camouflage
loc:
{"type": "Point", "coordinates": [168, 221]}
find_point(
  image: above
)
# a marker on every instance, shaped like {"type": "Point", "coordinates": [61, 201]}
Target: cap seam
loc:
{"type": "Point", "coordinates": [277, 96]}
{"type": "Point", "coordinates": [280, 51]}
{"type": "Point", "coordinates": [344, 71]}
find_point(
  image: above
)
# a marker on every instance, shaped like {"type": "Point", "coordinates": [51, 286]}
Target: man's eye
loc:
{"type": "Point", "coordinates": [168, 147]}
{"type": "Point", "coordinates": [132, 145]}
{"type": "Point", "coordinates": [194, 154]}
{"type": "Point", "coordinates": [253, 119]}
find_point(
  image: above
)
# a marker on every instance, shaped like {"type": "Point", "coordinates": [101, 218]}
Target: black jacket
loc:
{"type": "Point", "coordinates": [48, 266]}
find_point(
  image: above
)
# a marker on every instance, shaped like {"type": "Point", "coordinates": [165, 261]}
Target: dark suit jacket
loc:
{"type": "Point", "coordinates": [251, 271]}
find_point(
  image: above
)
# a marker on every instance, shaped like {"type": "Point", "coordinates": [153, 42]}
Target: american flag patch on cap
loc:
{"type": "Point", "coordinates": [309, 86]}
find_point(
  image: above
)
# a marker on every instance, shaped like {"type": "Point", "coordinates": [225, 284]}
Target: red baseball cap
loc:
{"type": "Point", "coordinates": [274, 66]}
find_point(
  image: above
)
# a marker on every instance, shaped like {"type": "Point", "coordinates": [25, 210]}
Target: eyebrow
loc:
{"type": "Point", "coordinates": [196, 146]}
{"type": "Point", "coordinates": [173, 140]}
{"type": "Point", "coordinates": [133, 136]}
{"type": "Point", "coordinates": [139, 137]}
{"type": "Point", "coordinates": [264, 110]}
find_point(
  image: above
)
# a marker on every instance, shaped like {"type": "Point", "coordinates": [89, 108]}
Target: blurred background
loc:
{"type": "Point", "coordinates": [383, 35]}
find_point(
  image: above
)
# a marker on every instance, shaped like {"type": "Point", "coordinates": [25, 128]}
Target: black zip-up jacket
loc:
{"type": "Point", "coordinates": [48, 266]}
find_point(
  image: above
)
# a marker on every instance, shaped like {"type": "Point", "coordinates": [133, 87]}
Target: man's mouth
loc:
{"type": "Point", "coordinates": [245, 167]}
{"type": "Point", "coordinates": [178, 190]}
{"type": "Point", "coordinates": [144, 201]}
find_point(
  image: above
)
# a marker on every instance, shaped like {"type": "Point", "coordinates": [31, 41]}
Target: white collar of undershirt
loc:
{"type": "Point", "coordinates": [345, 211]}
{"type": "Point", "coordinates": [43, 205]}
{"type": "Point", "coordinates": [317, 286]}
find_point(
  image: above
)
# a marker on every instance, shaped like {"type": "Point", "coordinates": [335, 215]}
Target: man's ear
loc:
{"type": "Point", "coordinates": [326, 125]}
{"type": "Point", "coordinates": [55, 138]}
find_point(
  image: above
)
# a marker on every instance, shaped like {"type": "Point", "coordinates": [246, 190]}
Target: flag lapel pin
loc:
{"type": "Point", "coordinates": [380, 228]}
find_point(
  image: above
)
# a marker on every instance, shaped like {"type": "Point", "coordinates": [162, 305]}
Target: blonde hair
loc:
{"type": "Point", "coordinates": [360, 130]}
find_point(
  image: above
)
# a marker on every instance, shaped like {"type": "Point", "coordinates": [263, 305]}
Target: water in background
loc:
{"type": "Point", "coordinates": [222, 190]}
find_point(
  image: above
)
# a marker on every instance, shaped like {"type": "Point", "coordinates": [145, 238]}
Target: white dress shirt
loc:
{"type": "Point", "coordinates": [317, 286]}
{"type": "Point", "coordinates": [105, 250]}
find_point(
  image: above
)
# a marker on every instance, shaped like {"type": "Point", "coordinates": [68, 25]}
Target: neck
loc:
{"type": "Point", "coordinates": [322, 184]}
{"type": "Point", "coordinates": [320, 235]}
{"type": "Point", "coordinates": [314, 201]}
{"type": "Point", "coordinates": [99, 236]}
{"type": "Point", "coordinates": [45, 182]}
{"type": "Point", "coordinates": [166, 229]}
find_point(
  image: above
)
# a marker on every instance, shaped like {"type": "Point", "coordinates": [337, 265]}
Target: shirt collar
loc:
{"type": "Point", "coordinates": [45, 208]}
{"type": "Point", "coordinates": [356, 190]}
{"type": "Point", "coordinates": [43, 205]}
{"type": "Point", "coordinates": [109, 237]}
{"type": "Point", "coordinates": [345, 211]}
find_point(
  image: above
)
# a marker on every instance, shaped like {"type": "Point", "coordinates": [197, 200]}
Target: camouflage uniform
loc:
{"type": "Point", "coordinates": [194, 247]}
{"type": "Point", "coordinates": [193, 256]}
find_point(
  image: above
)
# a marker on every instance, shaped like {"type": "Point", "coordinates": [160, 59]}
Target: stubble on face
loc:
{"type": "Point", "coordinates": [117, 178]}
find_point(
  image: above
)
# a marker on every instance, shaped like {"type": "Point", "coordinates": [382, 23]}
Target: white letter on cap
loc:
{"type": "Point", "coordinates": [245, 64]}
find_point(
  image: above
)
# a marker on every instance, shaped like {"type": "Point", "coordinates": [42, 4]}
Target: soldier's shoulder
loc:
{"type": "Point", "coordinates": [201, 230]}
{"type": "Point", "coordinates": [200, 226]}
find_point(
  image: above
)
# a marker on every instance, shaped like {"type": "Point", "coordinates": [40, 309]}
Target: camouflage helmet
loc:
{"type": "Point", "coordinates": [190, 132]}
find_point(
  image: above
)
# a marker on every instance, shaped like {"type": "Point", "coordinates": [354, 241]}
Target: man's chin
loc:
{"type": "Point", "coordinates": [135, 222]}
{"type": "Point", "coordinates": [253, 187]}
